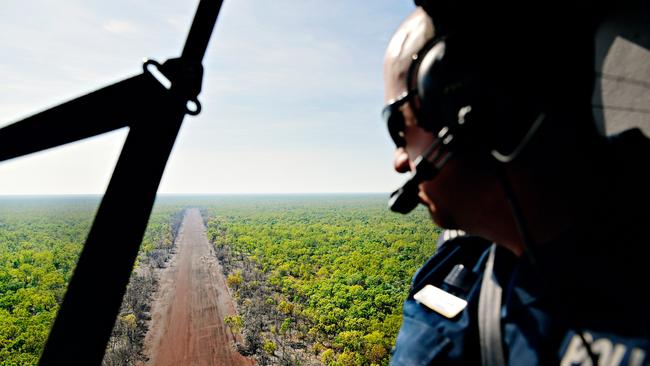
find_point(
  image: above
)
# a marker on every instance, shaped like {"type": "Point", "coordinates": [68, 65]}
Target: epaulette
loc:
{"type": "Point", "coordinates": [454, 247]}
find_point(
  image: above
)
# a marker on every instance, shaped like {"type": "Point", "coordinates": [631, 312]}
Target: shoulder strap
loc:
{"type": "Point", "coordinates": [489, 316]}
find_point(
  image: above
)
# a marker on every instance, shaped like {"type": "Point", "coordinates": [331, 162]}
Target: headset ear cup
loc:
{"type": "Point", "coordinates": [426, 84]}
{"type": "Point", "coordinates": [429, 85]}
{"type": "Point", "coordinates": [446, 83]}
{"type": "Point", "coordinates": [449, 75]}
{"type": "Point", "coordinates": [444, 86]}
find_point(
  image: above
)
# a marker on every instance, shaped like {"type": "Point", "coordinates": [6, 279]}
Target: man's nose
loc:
{"type": "Point", "coordinates": [401, 162]}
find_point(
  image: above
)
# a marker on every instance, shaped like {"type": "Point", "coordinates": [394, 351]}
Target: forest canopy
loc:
{"type": "Point", "coordinates": [337, 266]}
{"type": "Point", "coordinates": [330, 272]}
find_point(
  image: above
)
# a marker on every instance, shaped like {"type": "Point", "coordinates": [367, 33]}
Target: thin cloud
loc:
{"type": "Point", "coordinates": [120, 27]}
{"type": "Point", "coordinates": [178, 23]}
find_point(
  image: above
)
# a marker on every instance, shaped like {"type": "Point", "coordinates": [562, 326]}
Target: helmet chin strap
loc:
{"type": "Point", "coordinates": [522, 144]}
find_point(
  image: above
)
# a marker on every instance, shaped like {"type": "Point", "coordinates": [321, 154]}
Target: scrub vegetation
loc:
{"type": "Point", "coordinates": [318, 279]}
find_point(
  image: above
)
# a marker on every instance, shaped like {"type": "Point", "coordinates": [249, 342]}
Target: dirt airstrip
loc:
{"type": "Point", "coordinates": [187, 325]}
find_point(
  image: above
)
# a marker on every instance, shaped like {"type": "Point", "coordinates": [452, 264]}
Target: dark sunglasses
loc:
{"type": "Point", "coordinates": [394, 119]}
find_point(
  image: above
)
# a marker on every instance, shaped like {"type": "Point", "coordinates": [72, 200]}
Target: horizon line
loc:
{"type": "Point", "coordinates": [192, 194]}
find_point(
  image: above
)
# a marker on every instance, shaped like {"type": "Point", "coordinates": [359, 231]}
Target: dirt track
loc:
{"type": "Point", "coordinates": [187, 325]}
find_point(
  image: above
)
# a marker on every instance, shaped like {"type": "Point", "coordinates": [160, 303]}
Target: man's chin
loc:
{"type": "Point", "coordinates": [440, 219]}
{"type": "Point", "coordinates": [439, 216]}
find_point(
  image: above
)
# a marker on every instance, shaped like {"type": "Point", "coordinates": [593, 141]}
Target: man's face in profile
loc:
{"type": "Point", "coordinates": [456, 196]}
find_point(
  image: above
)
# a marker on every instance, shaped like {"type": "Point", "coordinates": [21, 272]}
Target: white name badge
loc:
{"type": "Point", "coordinates": [440, 301]}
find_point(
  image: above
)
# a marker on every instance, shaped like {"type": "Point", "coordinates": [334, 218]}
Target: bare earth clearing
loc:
{"type": "Point", "coordinates": [187, 326]}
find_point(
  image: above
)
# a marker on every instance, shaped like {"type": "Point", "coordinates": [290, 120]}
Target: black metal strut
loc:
{"type": "Point", "coordinates": [154, 115]}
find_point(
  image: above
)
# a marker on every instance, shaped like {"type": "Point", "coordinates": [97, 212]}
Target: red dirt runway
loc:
{"type": "Point", "coordinates": [187, 326]}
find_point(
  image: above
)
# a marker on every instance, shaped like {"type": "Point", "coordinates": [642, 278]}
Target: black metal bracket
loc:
{"type": "Point", "coordinates": [184, 80]}
{"type": "Point", "coordinates": [154, 114]}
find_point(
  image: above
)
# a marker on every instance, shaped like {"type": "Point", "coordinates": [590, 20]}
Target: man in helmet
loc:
{"type": "Point", "coordinates": [492, 118]}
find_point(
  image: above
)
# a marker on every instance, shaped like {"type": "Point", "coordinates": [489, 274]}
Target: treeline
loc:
{"type": "Point", "coordinates": [40, 242]}
{"type": "Point", "coordinates": [319, 278]}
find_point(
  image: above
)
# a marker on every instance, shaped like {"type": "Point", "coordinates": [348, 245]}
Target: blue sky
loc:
{"type": "Point", "coordinates": [291, 94]}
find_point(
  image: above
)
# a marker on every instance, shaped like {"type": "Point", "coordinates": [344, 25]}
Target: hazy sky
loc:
{"type": "Point", "coordinates": [291, 94]}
